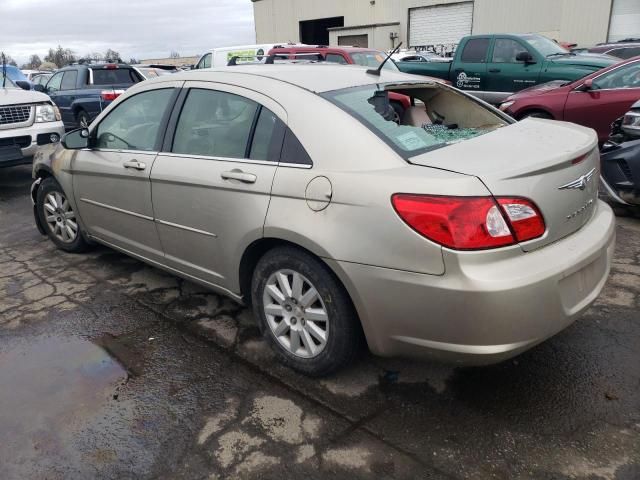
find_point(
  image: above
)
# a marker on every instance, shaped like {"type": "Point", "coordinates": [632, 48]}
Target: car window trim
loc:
{"type": "Point", "coordinates": [605, 73]}
{"type": "Point", "coordinates": [249, 146]}
{"type": "Point", "coordinates": [161, 128]}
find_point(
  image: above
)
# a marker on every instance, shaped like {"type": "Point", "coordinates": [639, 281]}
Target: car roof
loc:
{"type": "Point", "coordinates": [316, 77]}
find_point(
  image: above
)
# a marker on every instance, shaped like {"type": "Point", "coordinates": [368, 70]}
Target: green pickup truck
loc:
{"type": "Point", "coordinates": [492, 67]}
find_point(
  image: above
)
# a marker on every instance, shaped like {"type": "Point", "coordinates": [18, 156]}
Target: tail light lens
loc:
{"type": "Point", "coordinates": [470, 223]}
{"type": "Point", "coordinates": [110, 95]}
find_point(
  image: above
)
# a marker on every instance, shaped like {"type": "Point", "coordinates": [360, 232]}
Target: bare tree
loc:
{"type": "Point", "coordinates": [174, 54]}
{"type": "Point", "coordinates": [111, 55]}
{"type": "Point", "coordinates": [60, 56]}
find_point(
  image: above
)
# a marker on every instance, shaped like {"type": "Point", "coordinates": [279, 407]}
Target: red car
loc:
{"type": "Point", "coordinates": [365, 57]}
{"type": "Point", "coordinates": [593, 101]}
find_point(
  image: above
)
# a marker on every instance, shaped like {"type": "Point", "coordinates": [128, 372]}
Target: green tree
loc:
{"type": "Point", "coordinates": [60, 56]}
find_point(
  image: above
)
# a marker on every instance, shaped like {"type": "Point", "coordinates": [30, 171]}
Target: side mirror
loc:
{"type": "Point", "coordinates": [525, 57]}
{"type": "Point", "coordinates": [23, 84]}
{"type": "Point", "coordinates": [38, 88]}
{"type": "Point", "coordinates": [588, 84]}
{"type": "Point", "coordinates": [76, 139]}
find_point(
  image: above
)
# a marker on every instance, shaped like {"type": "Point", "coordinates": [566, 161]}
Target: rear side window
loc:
{"type": "Point", "coordinates": [216, 124]}
{"type": "Point", "coordinates": [261, 144]}
{"type": "Point", "coordinates": [335, 58]}
{"type": "Point", "coordinates": [293, 152]}
{"type": "Point", "coordinates": [114, 76]}
{"type": "Point", "coordinates": [475, 51]}
{"type": "Point", "coordinates": [69, 80]}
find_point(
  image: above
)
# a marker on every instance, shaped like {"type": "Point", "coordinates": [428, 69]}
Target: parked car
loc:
{"type": "Point", "coordinates": [413, 56]}
{"type": "Point", "coordinates": [31, 74]}
{"type": "Point", "coordinates": [365, 57]}
{"type": "Point", "coordinates": [620, 161]}
{"type": "Point", "coordinates": [153, 71]}
{"type": "Point", "coordinates": [82, 91]}
{"type": "Point", "coordinates": [593, 101]}
{"type": "Point", "coordinates": [624, 49]}
{"type": "Point", "coordinates": [27, 119]}
{"type": "Point", "coordinates": [492, 67]}
{"type": "Point", "coordinates": [459, 233]}
{"type": "Point", "coordinates": [41, 79]}
{"type": "Point", "coordinates": [219, 57]}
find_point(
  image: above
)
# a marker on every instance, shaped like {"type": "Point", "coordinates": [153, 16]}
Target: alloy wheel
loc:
{"type": "Point", "coordinates": [60, 217]}
{"type": "Point", "coordinates": [296, 313]}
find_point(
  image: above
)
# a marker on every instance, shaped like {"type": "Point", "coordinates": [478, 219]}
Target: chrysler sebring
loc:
{"type": "Point", "coordinates": [451, 232]}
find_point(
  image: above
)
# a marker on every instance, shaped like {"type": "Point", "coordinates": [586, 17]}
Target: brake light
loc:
{"type": "Point", "coordinates": [470, 223]}
{"type": "Point", "coordinates": [110, 95]}
{"type": "Point", "coordinates": [111, 66]}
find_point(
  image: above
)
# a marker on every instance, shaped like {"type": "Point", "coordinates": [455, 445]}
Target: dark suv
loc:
{"type": "Point", "coordinates": [81, 92]}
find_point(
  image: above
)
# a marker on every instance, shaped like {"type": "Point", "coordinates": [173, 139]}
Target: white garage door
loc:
{"type": "Point", "coordinates": [625, 20]}
{"type": "Point", "coordinates": [440, 24]}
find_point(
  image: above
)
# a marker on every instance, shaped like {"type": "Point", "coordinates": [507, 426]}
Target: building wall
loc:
{"type": "Point", "coordinates": [585, 22]}
{"type": "Point", "coordinates": [178, 62]}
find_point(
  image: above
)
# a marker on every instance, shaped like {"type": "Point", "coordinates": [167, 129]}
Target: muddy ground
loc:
{"type": "Point", "coordinates": [113, 369]}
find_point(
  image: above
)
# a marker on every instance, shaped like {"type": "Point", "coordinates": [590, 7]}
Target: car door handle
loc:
{"type": "Point", "coordinates": [494, 70]}
{"type": "Point", "coordinates": [239, 175]}
{"type": "Point", "coordinates": [135, 164]}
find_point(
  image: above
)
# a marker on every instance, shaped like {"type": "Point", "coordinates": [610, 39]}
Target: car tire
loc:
{"type": "Point", "coordinates": [82, 119]}
{"type": "Point", "coordinates": [537, 114]}
{"type": "Point", "coordinates": [58, 217]}
{"type": "Point", "coordinates": [399, 110]}
{"type": "Point", "coordinates": [313, 347]}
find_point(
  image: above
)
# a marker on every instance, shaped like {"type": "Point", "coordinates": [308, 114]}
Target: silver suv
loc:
{"type": "Point", "coordinates": [27, 119]}
{"type": "Point", "coordinates": [448, 231]}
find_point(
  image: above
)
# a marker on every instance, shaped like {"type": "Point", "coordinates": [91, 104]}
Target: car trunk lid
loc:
{"type": "Point", "coordinates": [554, 164]}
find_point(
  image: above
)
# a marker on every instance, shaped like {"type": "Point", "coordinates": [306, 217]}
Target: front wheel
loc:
{"type": "Point", "coordinates": [58, 217]}
{"type": "Point", "coordinates": [82, 119]}
{"type": "Point", "coordinates": [304, 312]}
{"type": "Point", "coordinates": [536, 114]}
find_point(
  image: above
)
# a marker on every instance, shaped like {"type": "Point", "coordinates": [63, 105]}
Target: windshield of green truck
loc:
{"type": "Point", "coordinates": [544, 45]}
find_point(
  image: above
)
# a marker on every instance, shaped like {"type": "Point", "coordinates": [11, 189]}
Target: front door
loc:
{"type": "Point", "coordinates": [211, 188]}
{"type": "Point", "coordinates": [505, 74]}
{"type": "Point", "coordinates": [610, 96]}
{"type": "Point", "coordinates": [111, 178]}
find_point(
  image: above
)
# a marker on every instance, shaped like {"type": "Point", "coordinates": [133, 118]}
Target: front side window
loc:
{"type": "Point", "coordinates": [214, 123]}
{"type": "Point", "coordinates": [506, 50]}
{"type": "Point", "coordinates": [475, 51]}
{"type": "Point", "coordinates": [69, 80]}
{"type": "Point", "coordinates": [54, 83]}
{"type": "Point", "coordinates": [135, 123]}
{"type": "Point", "coordinates": [205, 62]}
{"type": "Point", "coordinates": [627, 76]}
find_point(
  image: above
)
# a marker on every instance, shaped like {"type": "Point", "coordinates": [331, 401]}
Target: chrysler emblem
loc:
{"type": "Point", "coordinates": [579, 183]}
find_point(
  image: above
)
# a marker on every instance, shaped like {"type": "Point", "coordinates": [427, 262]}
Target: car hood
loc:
{"type": "Point", "coordinates": [540, 89]}
{"type": "Point", "coordinates": [537, 159]}
{"type": "Point", "coordinates": [15, 96]}
{"type": "Point", "coordinates": [593, 61]}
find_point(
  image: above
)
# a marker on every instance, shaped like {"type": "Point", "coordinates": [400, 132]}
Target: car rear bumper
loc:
{"type": "Point", "coordinates": [488, 306]}
{"type": "Point", "coordinates": [18, 145]}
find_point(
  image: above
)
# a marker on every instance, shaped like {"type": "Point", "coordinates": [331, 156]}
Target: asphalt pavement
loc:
{"type": "Point", "coordinates": [113, 369]}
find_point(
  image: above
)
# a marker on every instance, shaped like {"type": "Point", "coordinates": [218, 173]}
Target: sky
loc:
{"type": "Point", "coordinates": [134, 28]}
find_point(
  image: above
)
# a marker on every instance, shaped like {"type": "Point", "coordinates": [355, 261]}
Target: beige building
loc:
{"type": "Point", "coordinates": [177, 61]}
{"type": "Point", "coordinates": [382, 24]}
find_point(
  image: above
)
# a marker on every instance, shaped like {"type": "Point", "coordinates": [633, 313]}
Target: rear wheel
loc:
{"type": "Point", "coordinates": [536, 114]}
{"type": "Point", "coordinates": [304, 312]}
{"type": "Point", "coordinates": [399, 112]}
{"type": "Point", "coordinates": [82, 119]}
{"type": "Point", "coordinates": [58, 217]}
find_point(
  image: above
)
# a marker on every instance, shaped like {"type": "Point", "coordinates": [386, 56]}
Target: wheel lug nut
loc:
{"type": "Point", "coordinates": [293, 320]}
{"type": "Point", "coordinates": [287, 308]}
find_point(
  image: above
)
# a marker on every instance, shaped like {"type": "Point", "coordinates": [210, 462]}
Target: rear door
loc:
{"type": "Point", "coordinates": [111, 179]}
{"type": "Point", "coordinates": [470, 68]}
{"type": "Point", "coordinates": [611, 95]}
{"type": "Point", "coordinates": [212, 183]}
{"type": "Point", "coordinates": [505, 74]}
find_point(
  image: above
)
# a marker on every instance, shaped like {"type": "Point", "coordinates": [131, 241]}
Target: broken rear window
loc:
{"type": "Point", "coordinates": [437, 116]}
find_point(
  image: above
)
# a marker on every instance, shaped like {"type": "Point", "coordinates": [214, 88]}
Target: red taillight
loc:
{"type": "Point", "coordinates": [110, 95]}
{"type": "Point", "coordinates": [470, 223]}
{"type": "Point", "coordinates": [111, 66]}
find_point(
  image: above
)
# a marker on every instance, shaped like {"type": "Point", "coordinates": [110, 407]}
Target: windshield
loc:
{"type": "Point", "coordinates": [373, 59]}
{"type": "Point", "coordinates": [8, 83]}
{"type": "Point", "coordinates": [545, 46]}
{"type": "Point", "coordinates": [437, 117]}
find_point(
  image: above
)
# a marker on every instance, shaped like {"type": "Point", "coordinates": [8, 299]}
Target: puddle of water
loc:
{"type": "Point", "coordinates": [49, 387]}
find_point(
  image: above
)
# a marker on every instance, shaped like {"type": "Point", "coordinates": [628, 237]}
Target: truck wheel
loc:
{"type": "Point", "coordinates": [58, 218]}
{"type": "Point", "coordinates": [82, 118]}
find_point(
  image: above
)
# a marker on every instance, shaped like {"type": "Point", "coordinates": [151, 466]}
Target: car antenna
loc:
{"type": "Point", "coordinates": [4, 70]}
{"type": "Point", "coordinates": [376, 71]}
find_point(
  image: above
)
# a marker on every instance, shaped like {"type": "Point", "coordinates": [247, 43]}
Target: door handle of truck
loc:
{"type": "Point", "coordinates": [236, 174]}
{"type": "Point", "coordinates": [135, 164]}
{"type": "Point", "coordinates": [494, 70]}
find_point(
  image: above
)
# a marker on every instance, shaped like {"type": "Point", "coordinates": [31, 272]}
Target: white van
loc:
{"type": "Point", "coordinates": [219, 57]}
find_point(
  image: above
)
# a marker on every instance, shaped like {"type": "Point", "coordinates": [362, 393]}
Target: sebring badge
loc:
{"type": "Point", "coordinates": [579, 183]}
